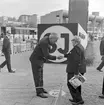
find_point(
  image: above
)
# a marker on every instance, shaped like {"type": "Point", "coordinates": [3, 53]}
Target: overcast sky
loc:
{"type": "Point", "coordinates": [15, 8]}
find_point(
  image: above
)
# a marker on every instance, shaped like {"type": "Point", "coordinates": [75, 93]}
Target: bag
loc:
{"type": "Point", "coordinates": [77, 81]}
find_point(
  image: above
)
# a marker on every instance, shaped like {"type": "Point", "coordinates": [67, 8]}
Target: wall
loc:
{"type": "Point", "coordinates": [53, 17]}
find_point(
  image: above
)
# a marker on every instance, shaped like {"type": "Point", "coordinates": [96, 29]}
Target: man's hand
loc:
{"type": "Point", "coordinates": [60, 57]}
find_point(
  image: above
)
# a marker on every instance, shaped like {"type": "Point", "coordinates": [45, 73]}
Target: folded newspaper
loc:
{"type": "Point", "coordinates": [77, 81]}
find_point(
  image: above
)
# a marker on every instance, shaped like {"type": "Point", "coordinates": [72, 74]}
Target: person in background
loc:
{"type": "Point", "coordinates": [99, 68]}
{"type": "Point", "coordinates": [102, 96]}
{"type": "Point", "coordinates": [37, 59]}
{"type": "Point", "coordinates": [75, 65]}
{"type": "Point", "coordinates": [6, 49]}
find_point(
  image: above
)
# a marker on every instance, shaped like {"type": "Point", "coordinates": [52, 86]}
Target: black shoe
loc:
{"type": "Point", "coordinates": [101, 96]}
{"type": "Point", "coordinates": [71, 100]}
{"type": "Point", "coordinates": [99, 70]}
{"type": "Point", "coordinates": [42, 95]}
{"type": "Point", "coordinates": [80, 102]}
{"type": "Point", "coordinates": [44, 91]}
{"type": "Point", "coordinates": [74, 103]}
{"type": "Point", "coordinates": [11, 71]}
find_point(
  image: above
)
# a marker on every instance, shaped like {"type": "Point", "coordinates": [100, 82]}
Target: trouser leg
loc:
{"type": "Point", "coordinates": [38, 77]}
{"type": "Point", "coordinates": [8, 61]}
{"type": "Point", "coordinates": [101, 65]}
{"type": "Point", "coordinates": [75, 93]}
{"type": "Point", "coordinates": [3, 64]}
{"type": "Point", "coordinates": [79, 88]}
{"type": "Point", "coordinates": [103, 87]}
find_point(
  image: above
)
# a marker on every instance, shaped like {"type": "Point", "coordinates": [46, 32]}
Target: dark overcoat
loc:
{"type": "Point", "coordinates": [6, 48]}
{"type": "Point", "coordinates": [76, 60]}
{"type": "Point", "coordinates": [41, 52]}
{"type": "Point", "coordinates": [102, 47]}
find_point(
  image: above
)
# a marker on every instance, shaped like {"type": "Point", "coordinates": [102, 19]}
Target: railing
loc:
{"type": "Point", "coordinates": [19, 47]}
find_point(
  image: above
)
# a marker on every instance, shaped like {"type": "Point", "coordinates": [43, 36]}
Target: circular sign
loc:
{"type": "Point", "coordinates": [63, 45]}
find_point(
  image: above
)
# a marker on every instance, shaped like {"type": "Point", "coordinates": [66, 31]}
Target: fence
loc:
{"type": "Point", "coordinates": [18, 47]}
{"type": "Point", "coordinates": [21, 47]}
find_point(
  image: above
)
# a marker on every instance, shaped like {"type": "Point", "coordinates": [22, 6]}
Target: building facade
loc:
{"type": "Point", "coordinates": [30, 20]}
{"type": "Point", "coordinates": [24, 18]}
{"type": "Point", "coordinates": [95, 24]}
{"type": "Point", "coordinates": [60, 16]}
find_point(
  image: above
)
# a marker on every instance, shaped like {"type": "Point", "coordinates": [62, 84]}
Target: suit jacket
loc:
{"type": "Point", "coordinates": [6, 48]}
{"type": "Point", "coordinates": [41, 52]}
{"type": "Point", "coordinates": [76, 60]}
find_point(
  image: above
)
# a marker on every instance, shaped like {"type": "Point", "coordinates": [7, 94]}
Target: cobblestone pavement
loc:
{"type": "Point", "coordinates": [18, 88]}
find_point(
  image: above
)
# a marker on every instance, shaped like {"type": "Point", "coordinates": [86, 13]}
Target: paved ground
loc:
{"type": "Point", "coordinates": [18, 88]}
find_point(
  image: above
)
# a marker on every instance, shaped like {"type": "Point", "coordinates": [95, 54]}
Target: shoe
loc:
{"type": "Point", "coordinates": [99, 70]}
{"type": "Point", "coordinates": [80, 102]}
{"type": "Point", "coordinates": [11, 71]}
{"type": "Point", "coordinates": [44, 91]}
{"type": "Point", "coordinates": [74, 103]}
{"type": "Point", "coordinates": [71, 100]}
{"type": "Point", "coordinates": [77, 103]}
{"type": "Point", "coordinates": [101, 96]}
{"type": "Point", "coordinates": [42, 95]}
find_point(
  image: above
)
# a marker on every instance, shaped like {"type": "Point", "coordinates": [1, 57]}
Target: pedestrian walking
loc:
{"type": "Point", "coordinates": [99, 68]}
{"type": "Point", "coordinates": [6, 49]}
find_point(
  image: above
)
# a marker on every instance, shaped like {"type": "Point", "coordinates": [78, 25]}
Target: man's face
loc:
{"type": "Point", "coordinates": [73, 43]}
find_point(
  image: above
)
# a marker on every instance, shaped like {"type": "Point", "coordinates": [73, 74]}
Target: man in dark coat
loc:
{"type": "Point", "coordinates": [102, 96]}
{"type": "Point", "coordinates": [6, 49]}
{"type": "Point", "coordinates": [102, 54]}
{"type": "Point", "coordinates": [101, 64]}
{"type": "Point", "coordinates": [38, 57]}
{"type": "Point", "coordinates": [75, 65]}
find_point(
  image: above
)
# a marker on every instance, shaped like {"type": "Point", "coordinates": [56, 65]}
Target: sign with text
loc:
{"type": "Point", "coordinates": [66, 32]}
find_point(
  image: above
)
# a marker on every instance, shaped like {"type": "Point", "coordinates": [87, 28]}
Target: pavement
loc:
{"type": "Point", "coordinates": [18, 88]}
